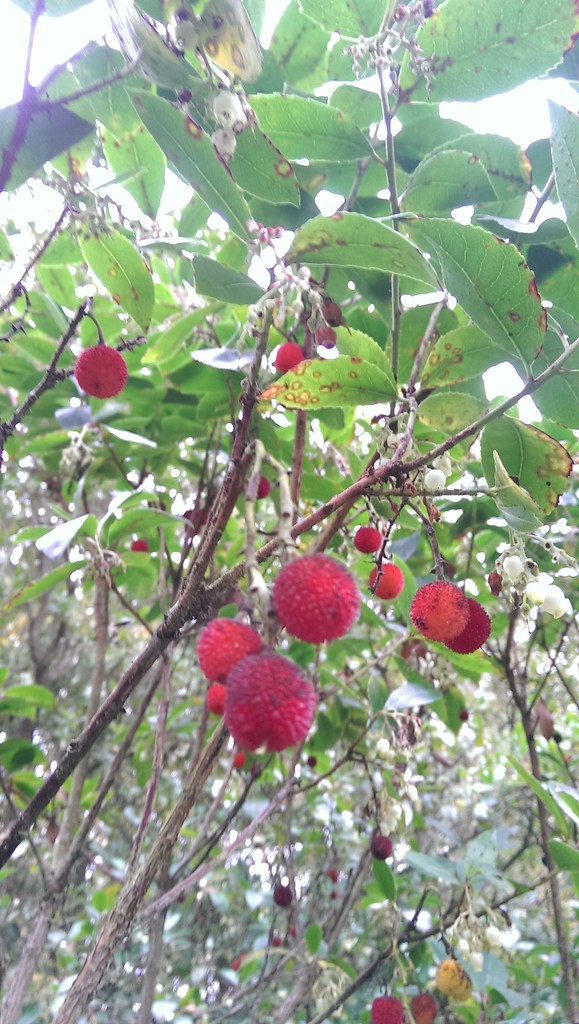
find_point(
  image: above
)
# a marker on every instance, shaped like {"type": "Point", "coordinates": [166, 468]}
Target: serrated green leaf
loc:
{"type": "Point", "coordinates": [353, 18]}
{"type": "Point", "coordinates": [222, 282]}
{"type": "Point", "coordinates": [330, 384]}
{"type": "Point", "coordinates": [491, 281]}
{"type": "Point", "coordinates": [47, 132]}
{"type": "Point", "coordinates": [445, 181]}
{"type": "Point", "coordinates": [520, 459]}
{"type": "Point", "coordinates": [122, 271]}
{"type": "Point", "coordinates": [565, 152]}
{"type": "Point", "coordinates": [309, 128]}
{"type": "Point", "coordinates": [505, 44]}
{"type": "Point", "coordinates": [262, 170]}
{"type": "Point", "coordinates": [192, 155]}
{"type": "Point", "coordinates": [137, 154]}
{"type": "Point", "coordinates": [450, 412]}
{"type": "Point", "coordinates": [353, 240]}
{"type": "Point", "coordinates": [459, 355]}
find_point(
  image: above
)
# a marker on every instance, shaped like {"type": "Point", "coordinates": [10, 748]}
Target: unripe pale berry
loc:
{"type": "Point", "coordinates": [443, 463]}
{"type": "Point", "coordinates": [434, 480]}
{"type": "Point", "coordinates": [453, 981]}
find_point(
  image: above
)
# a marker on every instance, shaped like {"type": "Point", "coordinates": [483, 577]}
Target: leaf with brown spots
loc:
{"type": "Point", "coordinates": [534, 460]}
{"type": "Point", "coordinates": [331, 384]}
{"type": "Point", "coordinates": [459, 355]}
{"type": "Point", "coordinates": [122, 271]}
{"type": "Point", "coordinates": [477, 50]}
{"type": "Point", "coordinates": [490, 280]}
{"type": "Point", "coordinates": [353, 240]}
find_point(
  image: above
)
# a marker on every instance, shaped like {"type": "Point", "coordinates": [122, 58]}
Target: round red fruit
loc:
{"type": "Point", "coordinates": [216, 696]}
{"type": "Point", "coordinates": [387, 1010]}
{"type": "Point", "coordinates": [463, 715]}
{"type": "Point", "coordinates": [439, 611]}
{"type": "Point", "coordinates": [282, 895]}
{"type": "Point", "coordinates": [288, 355]}
{"type": "Point", "coordinates": [222, 644]}
{"type": "Point", "coordinates": [316, 598]}
{"type": "Point", "coordinates": [475, 633]}
{"type": "Point", "coordinates": [139, 545]}
{"type": "Point", "coordinates": [424, 1008]}
{"type": "Point", "coordinates": [263, 487]}
{"type": "Point", "coordinates": [101, 371]}
{"type": "Point", "coordinates": [269, 703]}
{"type": "Point", "coordinates": [390, 582]}
{"type": "Point", "coordinates": [239, 759]}
{"type": "Point", "coordinates": [381, 846]}
{"type": "Point", "coordinates": [332, 873]}
{"type": "Point", "coordinates": [367, 539]}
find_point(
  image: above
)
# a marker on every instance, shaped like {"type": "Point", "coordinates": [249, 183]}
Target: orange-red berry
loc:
{"type": "Point", "coordinates": [389, 583]}
{"type": "Point", "coordinates": [475, 633]}
{"type": "Point", "coordinates": [101, 371]}
{"type": "Point", "coordinates": [269, 703]}
{"type": "Point", "coordinates": [316, 598]}
{"type": "Point", "coordinates": [239, 759]}
{"type": "Point", "coordinates": [439, 611]}
{"type": "Point", "coordinates": [216, 697]}
{"type": "Point", "coordinates": [288, 355]}
{"type": "Point", "coordinates": [367, 539]}
{"type": "Point", "coordinates": [424, 1008]}
{"type": "Point", "coordinates": [263, 487]}
{"type": "Point", "coordinates": [222, 644]}
{"type": "Point", "coordinates": [139, 545]}
{"type": "Point", "coordinates": [387, 1010]}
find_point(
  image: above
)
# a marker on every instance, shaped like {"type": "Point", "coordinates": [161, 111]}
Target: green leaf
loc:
{"type": "Point", "coordinates": [435, 867]}
{"type": "Point", "coordinates": [309, 128]}
{"type": "Point", "coordinates": [6, 253]}
{"type": "Point", "coordinates": [42, 584]}
{"type": "Point", "coordinates": [542, 793]}
{"type": "Point", "coordinates": [481, 853]}
{"type": "Point", "coordinates": [137, 154]}
{"type": "Point", "coordinates": [412, 695]}
{"type": "Point", "coordinates": [517, 507]}
{"type": "Point", "coordinates": [558, 398]}
{"type": "Point", "coordinates": [352, 240]}
{"type": "Point", "coordinates": [352, 18]}
{"type": "Point", "coordinates": [462, 354]}
{"type": "Point", "coordinates": [384, 879]}
{"type": "Point", "coordinates": [445, 181]}
{"type": "Point", "coordinates": [222, 282]}
{"type": "Point", "coordinates": [567, 797]}
{"type": "Point", "coordinates": [261, 169]}
{"type": "Point", "coordinates": [361, 346]}
{"type": "Point", "coordinates": [565, 151]}
{"type": "Point", "coordinates": [313, 936]}
{"type": "Point", "coordinates": [24, 699]}
{"type": "Point", "coordinates": [532, 459]}
{"type": "Point", "coordinates": [491, 281]}
{"type": "Point", "coordinates": [506, 164]}
{"type": "Point", "coordinates": [565, 857]}
{"type": "Point", "coordinates": [330, 384]}
{"type": "Point", "coordinates": [122, 271]}
{"type": "Point", "coordinates": [192, 155]}
{"type": "Point", "coordinates": [450, 412]}
{"type": "Point", "coordinates": [46, 133]}
{"type": "Point", "coordinates": [504, 45]}
{"type": "Point", "coordinates": [298, 50]}
{"type": "Point", "coordinates": [54, 543]}
{"type": "Point", "coordinates": [15, 753]}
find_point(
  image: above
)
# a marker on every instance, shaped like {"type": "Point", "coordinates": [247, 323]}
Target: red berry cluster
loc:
{"type": "Point", "coordinates": [441, 611]}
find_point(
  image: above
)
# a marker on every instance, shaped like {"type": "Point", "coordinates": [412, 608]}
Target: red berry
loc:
{"type": "Point", "coordinates": [381, 846]}
{"type": "Point", "coordinates": [263, 487]}
{"type": "Point", "coordinates": [390, 583]}
{"type": "Point", "coordinates": [237, 962]}
{"type": "Point", "coordinates": [439, 611]}
{"type": "Point", "coordinates": [288, 355]}
{"type": "Point", "coordinates": [424, 1008]}
{"type": "Point", "coordinates": [269, 702]}
{"type": "Point", "coordinates": [216, 696]}
{"type": "Point", "coordinates": [222, 644]}
{"type": "Point", "coordinates": [101, 371]}
{"type": "Point", "coordinates": [315, 598]}
{"type": "Point", "coordinates": [312, 761]}
{"type": "Point", "coordinates": [239, 759]}
{"type": "Point", "coordinates": [463, 715]}
{"type": "Point", "coordinates": [367, 539]}
{"type": "Point", "coordinates": [277, 941]}
{"type": "Point", "coordinates": [282, 895]}
{"type": "Point", "coordinates": [475, 633]}
{"type": "Point", "coordinates": [333, 874]}
{"type": "Point", "coordinates": [139, 545]}
{"type": "Point", "coordinates": [326, 337]}
{"type": "Point", "coordinates": [387, 1010]}
{"type": "Point", "coordinates": [195, 518]}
